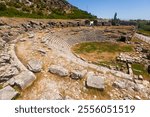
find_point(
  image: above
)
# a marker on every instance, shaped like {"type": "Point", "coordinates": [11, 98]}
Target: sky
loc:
{"type": "Point", "coordinates": [126, 9]}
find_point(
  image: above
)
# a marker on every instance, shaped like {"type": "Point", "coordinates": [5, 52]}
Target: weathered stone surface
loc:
{"type": "Point", "coordinates": [4, 58]}
{"type": "Point", "coordinates": [8, 93]}
{"type": "Point", "coordinates": [119, 84]}
{"type": "Point", "coordinates": [8, 72]}
{"type": "Point", "coordinates": [121, 74]}
{"type": "Point", "coordinates": [95, 81]}
{"type": "Point", "coordinates": [59, 70]}
{"type": "Point", "coordinates": [34, 66]}
{"type": "Point", "coordinates": [23, 80]}
{"type": "Point", "coordinates": [76, 74]}
{"type": "Point", "coordinates": [15, 59]}
{"type": "Point", "coordinates": [139, 87]}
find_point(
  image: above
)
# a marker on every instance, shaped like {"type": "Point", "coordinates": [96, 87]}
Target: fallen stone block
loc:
{"type": "Point", "coordinates": [94, 81]}
{"type": "Point", "coordinates": [34, 66]}
{"type": "Point", "coordinates": [23, 80]}
{"type": "Point", "coordinates": [8, 93]}
{"type": "Point", "coordinates": [59, 70]}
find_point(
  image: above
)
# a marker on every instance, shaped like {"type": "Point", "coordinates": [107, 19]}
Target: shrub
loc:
{"type": "Point", "coordinates": [2, 6]}
{"type": "Point", "coordinates": [25, 8]}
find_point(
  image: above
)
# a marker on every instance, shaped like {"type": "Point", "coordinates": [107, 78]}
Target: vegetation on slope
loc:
{"type": "Point", "coordinates": [41, 9]}
{"type": "Point", "coordinates": [140, 69]}
{"type": "Point", "coordinates": [144, 27]}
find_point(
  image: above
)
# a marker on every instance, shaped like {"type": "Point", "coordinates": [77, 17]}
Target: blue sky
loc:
{"type": "Point", "coordinates": [126, 9]}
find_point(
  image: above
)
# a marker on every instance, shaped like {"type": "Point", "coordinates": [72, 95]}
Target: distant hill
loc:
{"type": "Point", "coordinates": [59, 9]}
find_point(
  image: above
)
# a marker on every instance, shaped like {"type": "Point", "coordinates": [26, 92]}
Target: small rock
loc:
{"type": "Point", "coordinates": [41, 51]}
{"type": "Point", "coordinates": [44, 40]}
{"type": "Point", "coordinates": [23, 39]}
{"type": "Point", "coordinates": [34, 66]}
{"type": "Point", "coordinates": [76, 74]}
{"type": "Point", "coordinates": [8, 93]}
{"type": "Point", "coordinates": [68, 98]}
{"type": "Point", "coordinates": [126, 98]}
{"type": "Point", "coordinates": [137, 97]}
{"type": "Point", "coordinates": [119, 84]}
{"type": "Point", "coordinates": [140, 77]}
{"type": "Point", "coordinates": [31, 35]}
{"type": "Point", "coordinates": [59, 70]}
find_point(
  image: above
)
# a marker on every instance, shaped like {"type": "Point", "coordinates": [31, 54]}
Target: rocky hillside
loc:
{"type": "Point", "coordinates": [42, 9]}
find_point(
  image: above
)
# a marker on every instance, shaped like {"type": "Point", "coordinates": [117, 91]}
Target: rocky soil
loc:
{"type": "Point", "coordinates": [37, 62]}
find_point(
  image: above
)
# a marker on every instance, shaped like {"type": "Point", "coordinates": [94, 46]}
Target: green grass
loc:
{"type": "Point", "coordinates": [102, 47]}
{"type": "Point", "coordinates": [1, 86]}
{"type": "Point", "coordinates": [110, 63]}
{"type": "Point", "coordinates": [144, 27]}
{"type": "Point", "coordinates": [139, 69]}
{"type": "Point", "coordinates": [144, 32]}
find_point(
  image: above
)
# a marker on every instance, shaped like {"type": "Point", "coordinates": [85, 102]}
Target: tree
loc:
{"type": "Point", "coordinates": [115, 16]}
{"type": "Point", "coordinates": [115, 20]}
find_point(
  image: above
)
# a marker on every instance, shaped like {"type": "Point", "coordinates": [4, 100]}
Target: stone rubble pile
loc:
{"type": "Point", "coordinates": [133, 86]}
{"type": "Point", "coordinates": [128, 59]}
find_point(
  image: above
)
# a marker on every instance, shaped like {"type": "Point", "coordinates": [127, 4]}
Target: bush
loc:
{"type": "Point", "coordinates": [2, 6]}
{"type": "Point", "coordinates": [79, 14]}
{"type": "Point", "coordinates": [25, 8]}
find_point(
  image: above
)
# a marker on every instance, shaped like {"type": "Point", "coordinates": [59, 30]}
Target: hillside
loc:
{"type": "Point", "coordinates": [57, 9]}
